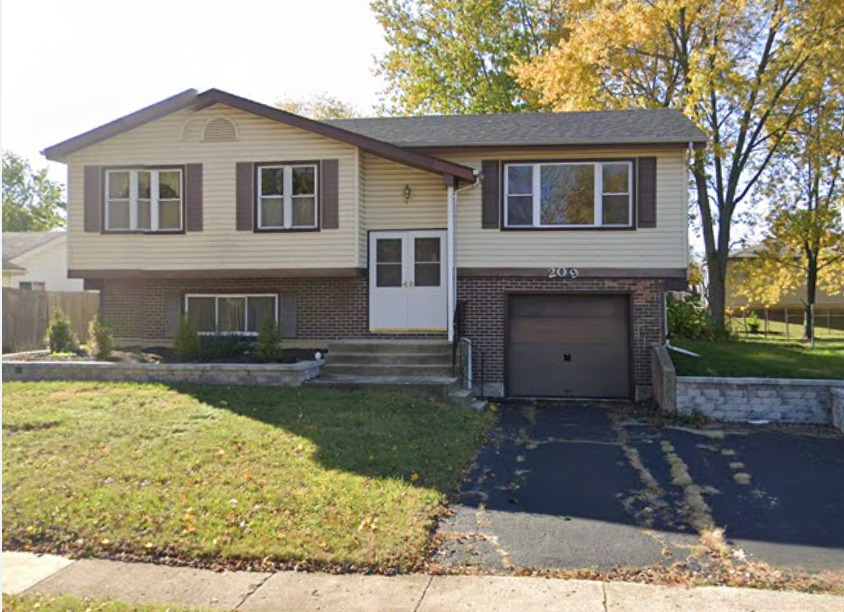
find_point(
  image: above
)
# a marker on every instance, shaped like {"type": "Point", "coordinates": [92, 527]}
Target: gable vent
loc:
{"type": "Point", "coordinates": [219, 130]}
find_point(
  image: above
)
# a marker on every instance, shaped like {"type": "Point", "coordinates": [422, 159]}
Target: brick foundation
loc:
{"type": "Point", "coordinates": [484, 315]}
{"type": "Point", "coordinates": [326, 308]}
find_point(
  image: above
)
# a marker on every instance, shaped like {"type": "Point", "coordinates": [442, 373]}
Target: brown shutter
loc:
{"type": "Point", "coordinates": [193, 197]}
{"type": "Point", "coordinates": [172, 312]}
{"type": "Point", "coordinates": [329, 193]}
{"type": "Point", "coordinates": [646, 202]}
{"type": "Point", "coordinates": [287, 308]}
{"type": "Point", "coordinates": [244, 188]}
{"type": "Point", "coordinates": [93, 208]}
{"type": "Point", "coordinates": [491, 193]}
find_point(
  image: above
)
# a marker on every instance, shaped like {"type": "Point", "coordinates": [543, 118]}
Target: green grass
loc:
{"type": "Point", "coordinates": [67, 603]}
{"type": "Point", "coordinates": [230, 474]}
{"type": "Point", "coordinates": [774, 356]}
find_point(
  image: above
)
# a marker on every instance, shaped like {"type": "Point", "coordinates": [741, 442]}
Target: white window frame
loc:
{"type": "Point", "coordinates": [598, 174]}
{"type": "Point", "coordinates": [287, 196]}
{"type": "Point", "coordinates": [218, 296]}
{"type": "Point", "coordinates": [154, 200]}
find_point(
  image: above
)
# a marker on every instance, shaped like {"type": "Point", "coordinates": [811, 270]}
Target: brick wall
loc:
{"type": "Point", "coordinates": [326, 308]}
{"type": "Point", "coordinates": [485, 298]}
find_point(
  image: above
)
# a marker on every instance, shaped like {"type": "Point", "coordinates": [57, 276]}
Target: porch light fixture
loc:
{"type": "Point", "coordinates": [407, 193]}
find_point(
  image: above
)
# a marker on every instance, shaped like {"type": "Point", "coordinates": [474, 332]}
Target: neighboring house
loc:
{"type": "Point", "coordinates": [829, 309]}
{"type": "Point", "coordinates": [557, 234]}
{"type": "Point", "coordinates": [37, 261]}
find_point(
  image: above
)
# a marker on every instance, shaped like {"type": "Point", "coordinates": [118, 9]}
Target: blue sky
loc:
{"type": "Point", "coordinates": [71, 65]}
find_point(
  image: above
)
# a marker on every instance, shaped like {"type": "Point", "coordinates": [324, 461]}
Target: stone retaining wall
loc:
{"type": "Point", "coordinates": [275, 374]}
{"type": "Point", "coordinates": [838, 409]}
{"type": "Point", "coordinates": [743, 399]}
{"type": "Point", "coordinates": [782, 400]}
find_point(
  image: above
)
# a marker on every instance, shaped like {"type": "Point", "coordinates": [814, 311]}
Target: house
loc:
{"type": "Point", "coordinates": [829, 308]}
{"type": "Point", "coordinates": [547, 240]}
{"type": "Point", "coordinates": [37, 261]}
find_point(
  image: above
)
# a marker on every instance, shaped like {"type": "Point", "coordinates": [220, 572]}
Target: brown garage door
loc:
{"type": "Point", "coordinates": [568, 346]}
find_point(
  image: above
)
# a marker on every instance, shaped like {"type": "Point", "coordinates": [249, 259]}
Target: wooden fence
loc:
{"type": "Point", "coordinates": [26, 315]}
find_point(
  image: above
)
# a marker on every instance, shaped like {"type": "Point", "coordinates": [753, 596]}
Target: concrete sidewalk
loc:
{"type": "Point", "coordinates": [303, 592]}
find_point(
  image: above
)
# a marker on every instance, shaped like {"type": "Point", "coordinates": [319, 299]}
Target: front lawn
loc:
{"type": "Point", "coordinates": [755, 356]}
{"type": "Point", "coordinates": [243, 476]}
{"type": "Point", "coordinates": [69, 603]}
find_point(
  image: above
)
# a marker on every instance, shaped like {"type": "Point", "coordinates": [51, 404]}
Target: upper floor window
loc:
{"type": "Point", "coordinates": [573, 194]}
{"type": "Point", "coordinates": [144, 200]}
{"type": "Point", "coordinates": [287, 196]}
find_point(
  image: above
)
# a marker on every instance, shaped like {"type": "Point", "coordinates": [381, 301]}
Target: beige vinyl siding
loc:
{"type": "Point", "coordinates": [176, 139]}
{"type": "Point", "coordinates": [386, 207]}
{"type": "Point", "coordinates": [665, 246]}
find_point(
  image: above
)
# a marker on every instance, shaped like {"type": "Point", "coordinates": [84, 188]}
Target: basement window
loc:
{"type": "Point", "coordinates": [231, 314]}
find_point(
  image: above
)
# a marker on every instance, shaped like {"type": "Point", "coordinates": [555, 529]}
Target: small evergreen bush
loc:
{"type": "Point", "coordinates": [100, 339]}
{"type": "Point", "coordinates": [221, 347]}
{"type": "Point", "coordinates": [186, 344]}
{"type": "Point", "coordinates": [268, 344]}
{"type": "Point", "coordinates": [60, 337]}
{"type": "Point", "coordinates": [753, 322]}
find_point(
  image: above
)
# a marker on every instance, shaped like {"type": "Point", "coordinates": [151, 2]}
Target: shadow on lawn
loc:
{"type": "Point", "coordinates": [374, 433]}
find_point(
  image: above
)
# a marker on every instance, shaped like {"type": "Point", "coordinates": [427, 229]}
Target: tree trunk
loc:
{"type": "Point", "coordinates": [811, 295]}
{"type": "Point", "coordinates": [717, 288]}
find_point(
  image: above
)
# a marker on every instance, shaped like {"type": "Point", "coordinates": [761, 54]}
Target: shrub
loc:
{"type": "Point", "coordinates": [268, 344]}
{"type": "Point", "coordinates": [220, 347]}
{"type": "Point", "coordinates": [688, 318]}
{"type": "Point", "coordinates": [753, 322]}
{"type": "Point", "coordinates": [186, 344]}
{"type": "Point", "coordinates": [60, 337]}
{"type": "Point", "coordinates": [100, 339]}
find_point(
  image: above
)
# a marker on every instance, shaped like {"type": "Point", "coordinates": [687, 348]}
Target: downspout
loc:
{"type": "Point", "coordinates": [451, 251]}
{"type": "Point", "coordinates": [451, 286]}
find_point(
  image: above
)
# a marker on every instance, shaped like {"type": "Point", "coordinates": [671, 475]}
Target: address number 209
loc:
{"type": "Point", "coordinates": [563, 273]}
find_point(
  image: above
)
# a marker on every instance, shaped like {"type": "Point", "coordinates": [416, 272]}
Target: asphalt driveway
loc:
{"type": "Point", "coordinates": [581, 486]}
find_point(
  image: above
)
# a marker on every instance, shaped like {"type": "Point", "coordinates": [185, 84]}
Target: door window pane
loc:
{"type": "Point", "coordinates": [388, 275]}
{"type": "Point", "coordinates": [426, 268]}
{"type": "Point", "coordinates": [201, 310]}
{"type": "Point", "coordinates": [232, 314]}
{"type": "Point", "coordinates": [304, 212]}
{"type": "Point", "coordinates": [520, 210]}
{"type": "Point", "coordinates": [260, 309]}
{"type": "Point", "coordinates": [616, 210]}
{"type": "Point", "coordinates": [272, 212]}
{"type": "Point", "coordinates": [427, 250]}
{"type": "Point", "coordinates": [567, 195]}
{"type": "Point", "coordinates": [304, 180]}
{"type": "Point", "coordinates": [519, 180]}
{"type": "Point", "coordinates": [388, 250]}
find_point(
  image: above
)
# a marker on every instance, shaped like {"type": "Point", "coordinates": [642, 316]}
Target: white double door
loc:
{"type": "Point", "coordinates": [407, 281]}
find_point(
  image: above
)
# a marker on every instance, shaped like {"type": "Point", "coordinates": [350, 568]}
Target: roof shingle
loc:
{"type": "Point", "coordinates": [645, 126]}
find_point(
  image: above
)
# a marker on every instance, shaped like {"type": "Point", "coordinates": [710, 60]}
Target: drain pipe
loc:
{"type": "Point", "coordinates": [451, 233]}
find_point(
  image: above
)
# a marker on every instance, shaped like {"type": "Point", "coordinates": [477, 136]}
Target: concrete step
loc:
{"type": "Point", "coordinates": [442, 359]}
{"type": "Point", "coordinates": [426, 347]}
{"type": "Point", "coordinates": [386, 369]}
{"type": "Point", "coordinates": [466, 397]}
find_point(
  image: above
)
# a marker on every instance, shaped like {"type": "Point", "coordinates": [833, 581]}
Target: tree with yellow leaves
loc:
{"type": "Point", "coordinates": [736, 67]}
{"type": "Point", "coordinates": [804, 241]}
